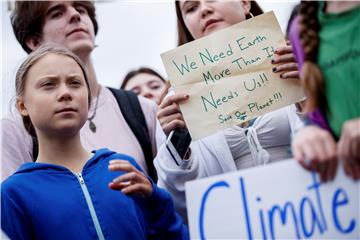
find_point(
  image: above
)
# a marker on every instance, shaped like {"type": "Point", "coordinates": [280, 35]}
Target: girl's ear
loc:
{"type": "Point", "coordinates": [247, 6]}
{"type": "Point", "coordinates": [20, 106]}
{"type": "Point", "coordinates": [33, 42]}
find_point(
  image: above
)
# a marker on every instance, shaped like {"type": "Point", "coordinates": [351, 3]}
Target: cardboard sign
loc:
{"type": "Point", "coordinates": [277, 201]}
{"type": "Point", "coordinates": [229, 77]}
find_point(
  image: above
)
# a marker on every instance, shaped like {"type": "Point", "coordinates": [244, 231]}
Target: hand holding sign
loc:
{"type": "Point", "coordinates": [289, 67]}
{"type": "Point", "coordinates": [229, 77]}
{"type": "Point", "coordinates": [169, 114]}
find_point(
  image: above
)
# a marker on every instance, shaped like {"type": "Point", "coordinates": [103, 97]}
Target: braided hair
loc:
{"type": "Point", "coordinates": [311, 75]}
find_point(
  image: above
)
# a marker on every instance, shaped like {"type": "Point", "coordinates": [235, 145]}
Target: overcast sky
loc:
{"type": "Point", "coordinates": [131, 34]}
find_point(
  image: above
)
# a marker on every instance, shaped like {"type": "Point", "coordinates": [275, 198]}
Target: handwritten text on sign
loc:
{"type": "Point", "coordinates": [258, 204]}
{"type": "Point", "coordinates": [229, 77]}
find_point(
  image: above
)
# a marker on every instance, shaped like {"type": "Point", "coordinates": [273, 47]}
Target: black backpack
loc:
{"type": "Point", "coordinates": [131, 109]}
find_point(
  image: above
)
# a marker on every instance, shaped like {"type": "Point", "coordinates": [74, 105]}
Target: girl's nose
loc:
{"type": "Point", "coordinates": [147, 94]}
{"type": "Point", "coordinates": [65, 94]}
{"type": "Point", "coordinates": [206, 8]}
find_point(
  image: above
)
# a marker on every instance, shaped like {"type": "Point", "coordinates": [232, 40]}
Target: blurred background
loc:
{"type": "Point", "coordinates": [131, 34]}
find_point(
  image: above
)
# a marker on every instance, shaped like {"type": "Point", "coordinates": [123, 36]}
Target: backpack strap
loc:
{"type": "Point", "coordinates": [131, 109]}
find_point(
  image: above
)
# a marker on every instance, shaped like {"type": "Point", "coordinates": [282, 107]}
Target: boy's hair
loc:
{"type": "Point", "coordinates": [184, 36]}
{"type": "Point", "coordinates": [311, 74]}
{"type": "Point", "coordinates": [30, 61]}
{"type": "Point", "coordinates": [133, 73]}
{"type": "Point", "coordinates": [28, 19]}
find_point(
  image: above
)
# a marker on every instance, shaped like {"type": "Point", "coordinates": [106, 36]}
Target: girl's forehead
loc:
{"type": "Point", "coordinates": [51, 58]}
{"type": "Point", "coordinates": [55, 63]}
{"type": "Point", "coordinates": [182, 2]}
{"type": "Point", "coordinates": [147, 77]}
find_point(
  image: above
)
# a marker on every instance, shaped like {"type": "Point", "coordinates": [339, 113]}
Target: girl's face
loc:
{"type": "Point", "coordinates": [146, 85]}
{"type": "Point", "coordinates": [68, 24]}
{"type": "Point", "coordinates": [55, 96]}
{"type": "Point", "coordinates": [203, 17]}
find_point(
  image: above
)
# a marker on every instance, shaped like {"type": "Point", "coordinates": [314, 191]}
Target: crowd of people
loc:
{"type": "Point", "coordinates": [99, 154]}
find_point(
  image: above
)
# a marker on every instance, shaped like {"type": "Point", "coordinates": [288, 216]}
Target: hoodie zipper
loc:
{"type": "Point", "coordinates": [90, 205]}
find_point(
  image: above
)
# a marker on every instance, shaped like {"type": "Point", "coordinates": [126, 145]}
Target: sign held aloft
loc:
{"type": "Point", "coordinates": [229, 77]}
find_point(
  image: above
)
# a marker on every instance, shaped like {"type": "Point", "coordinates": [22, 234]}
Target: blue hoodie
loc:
{"type": "Point", "coordinates": [46, 201]}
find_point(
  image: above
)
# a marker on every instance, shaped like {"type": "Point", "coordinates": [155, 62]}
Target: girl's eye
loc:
{"type": "Point", "coordinates": [155, 86]}
{"type": "Point", "coordinates": [75, 83]}
{"type": "Point", "coordinates": [190, 8]}
{"type": "Point", "coordinates": [47, 85]}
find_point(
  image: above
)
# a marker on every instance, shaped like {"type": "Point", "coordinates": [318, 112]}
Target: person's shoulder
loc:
{"type": "Point", "coordinates": [146, 104]}
{"type": "Point", "coordinates": [12, 127]}
{"type": "Point", "coordinates": [148, 107]}
{"type": "Point", "coordinates": [12, 120]}
{"type": "Point", "coordinates": [108, 155]}
{"type": "Point", "coordinates": [13, 183]}
{"type": "Point", "coordinates": [18, 190]}
{"type": "Point", "coordinates": [126, 157]}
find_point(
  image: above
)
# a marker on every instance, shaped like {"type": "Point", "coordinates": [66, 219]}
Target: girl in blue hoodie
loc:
{"type": "Point", "coordinates": [69, 193]}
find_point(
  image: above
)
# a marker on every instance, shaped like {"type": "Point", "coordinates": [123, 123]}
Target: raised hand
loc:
{"type": "Point", "coordinates": [169, 113]}
{"type": "Point", "coordinates": [132, 182]}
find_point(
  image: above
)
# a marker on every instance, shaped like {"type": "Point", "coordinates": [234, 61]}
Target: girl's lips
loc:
{"type": "Point", "coordinates": [66, 110]}
{"type": "Point", "coordinates": [209, 23]}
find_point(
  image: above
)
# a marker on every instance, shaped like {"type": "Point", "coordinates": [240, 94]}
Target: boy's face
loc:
{"type": "Point", "coordinates": [68, 24]}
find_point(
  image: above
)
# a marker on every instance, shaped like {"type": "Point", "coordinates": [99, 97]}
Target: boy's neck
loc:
{"type": "Point", "coordinates": [66, 152]}
{"type": "Point", "coordinates": [90, 72]}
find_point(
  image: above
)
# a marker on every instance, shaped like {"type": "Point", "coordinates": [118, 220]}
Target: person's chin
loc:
{"type": "Point", "coordinates": [68, 129]}
{"type": "Point", "coordinates": [81, 47]}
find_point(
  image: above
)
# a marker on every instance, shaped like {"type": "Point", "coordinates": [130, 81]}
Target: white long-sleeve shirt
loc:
{"type": "Point", "coordinates": [267, 140]}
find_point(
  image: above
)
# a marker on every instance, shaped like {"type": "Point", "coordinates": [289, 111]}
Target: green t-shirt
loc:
{"type": "Point", "coordinates": [339, 60]}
